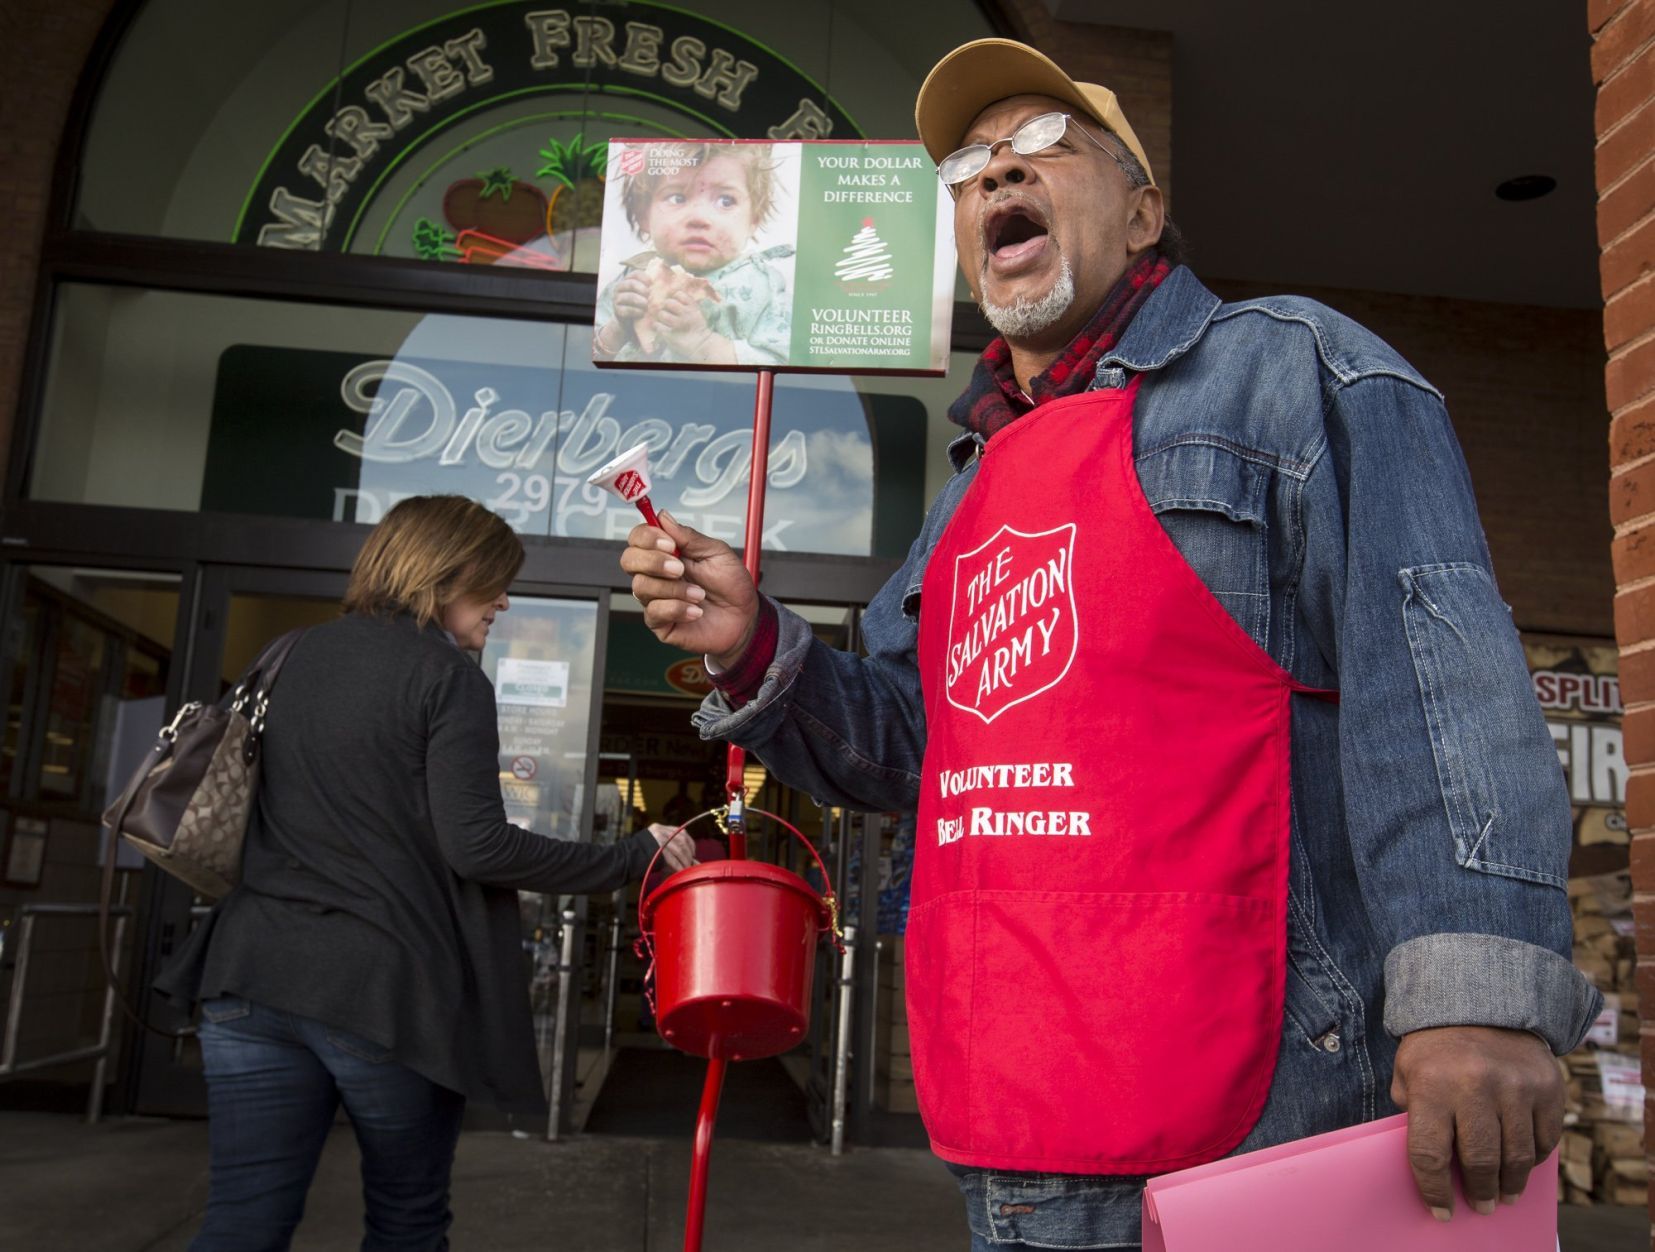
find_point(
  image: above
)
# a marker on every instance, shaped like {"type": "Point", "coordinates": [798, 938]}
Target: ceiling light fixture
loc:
{"type": "Point", "coordinates": [1526, 187]}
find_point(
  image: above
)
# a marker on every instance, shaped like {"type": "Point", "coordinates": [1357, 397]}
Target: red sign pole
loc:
{"type": "Point", "coordinates": [694, 1216]}
{"type": "Point", "coordinates": [735, 787]}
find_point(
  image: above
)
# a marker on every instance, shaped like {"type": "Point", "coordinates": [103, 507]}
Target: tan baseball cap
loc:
{"type": "Point", "coordinates": [975, 75]}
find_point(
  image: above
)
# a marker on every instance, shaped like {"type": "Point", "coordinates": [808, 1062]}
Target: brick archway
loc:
{"type": "Point", "coordinates": [43, 49]}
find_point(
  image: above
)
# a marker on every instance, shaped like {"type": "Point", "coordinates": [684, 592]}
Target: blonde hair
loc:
{"type": "Point", "coordinates": [756, 159]}
{"type": "Point", "coordinates": [430, 551]}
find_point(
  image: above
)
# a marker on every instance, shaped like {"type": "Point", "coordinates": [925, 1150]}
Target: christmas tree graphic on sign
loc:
{"type": "Point", "coordinates": [866, 263]}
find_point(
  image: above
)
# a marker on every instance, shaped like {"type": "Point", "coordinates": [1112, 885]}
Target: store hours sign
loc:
{"type": "Point", "coordinates": [342, 437]}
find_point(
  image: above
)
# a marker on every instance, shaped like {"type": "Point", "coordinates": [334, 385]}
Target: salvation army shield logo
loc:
{"type": "Point", "coordinates": [1012, 632]}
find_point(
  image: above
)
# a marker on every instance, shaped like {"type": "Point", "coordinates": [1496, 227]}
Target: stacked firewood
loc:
{"type": "Point", "coordinates": [1602, 1157]}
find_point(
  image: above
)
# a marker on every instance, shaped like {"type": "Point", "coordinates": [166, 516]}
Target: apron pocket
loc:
{"type": "Point", "coordinates": [936, 960]}
{"type": "Point", "coordinates": [1101, 1032]}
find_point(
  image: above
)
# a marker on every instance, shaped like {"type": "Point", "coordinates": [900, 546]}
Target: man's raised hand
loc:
{"type": "Point", "coordinates": [700, 600]}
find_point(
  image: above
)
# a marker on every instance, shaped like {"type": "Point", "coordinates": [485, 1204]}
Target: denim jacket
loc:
{"type": "Point", "coordinates": [1312, 479]}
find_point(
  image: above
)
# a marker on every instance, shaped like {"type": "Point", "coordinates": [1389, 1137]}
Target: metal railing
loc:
{"type": "Point", "coordinates": [565, 983]}
{"type": "Point", "coordinates": [618, 904]}
{"type": "Point", "coordinates": [10, 1066]}
{"type": "Point", "coordinates": [846, 984]}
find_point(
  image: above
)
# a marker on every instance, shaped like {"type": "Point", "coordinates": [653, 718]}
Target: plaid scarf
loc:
{"type": "Point", "coordinates": [992, 400]}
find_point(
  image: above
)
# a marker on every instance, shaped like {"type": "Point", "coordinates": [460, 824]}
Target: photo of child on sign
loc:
{"type": "Point", "coordinates": [713, 283]}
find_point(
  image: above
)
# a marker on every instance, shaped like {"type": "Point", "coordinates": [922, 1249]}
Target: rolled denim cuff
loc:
{"type": "Point", "coordinates": [1488, 980]}
{"type": "Point", "coordinates": [719, 718]}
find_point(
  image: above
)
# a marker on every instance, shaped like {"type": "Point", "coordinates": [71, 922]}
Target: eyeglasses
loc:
{"type": "Point", "coordinates": [1035, 135]}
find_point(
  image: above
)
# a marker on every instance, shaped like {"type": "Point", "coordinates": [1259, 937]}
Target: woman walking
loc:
{"type": "Point", "coordinates": [372, 955]}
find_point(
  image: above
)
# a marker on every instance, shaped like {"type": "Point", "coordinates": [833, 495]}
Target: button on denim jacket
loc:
{"type": "Point", "coordinates": [1312, 479]}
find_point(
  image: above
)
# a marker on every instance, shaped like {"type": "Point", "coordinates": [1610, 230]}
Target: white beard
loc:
{"type": "Point", "coordinates": [1024, 318]}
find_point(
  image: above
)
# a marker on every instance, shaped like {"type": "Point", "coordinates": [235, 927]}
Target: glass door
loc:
{"type": "Point", "coordinates": [543, 657]}
{"type": "Point", "coordinates": [86, 659]}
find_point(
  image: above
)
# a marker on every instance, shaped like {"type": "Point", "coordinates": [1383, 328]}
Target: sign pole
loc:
{"type": "Point", "coordinates": [735, 787]}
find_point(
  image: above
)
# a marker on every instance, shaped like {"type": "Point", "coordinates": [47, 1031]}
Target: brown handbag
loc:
{"type": "Point", "coordinates": [186, 807]}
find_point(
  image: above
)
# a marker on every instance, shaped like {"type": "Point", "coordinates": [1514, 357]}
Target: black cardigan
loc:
{"type": "Point", "coordinates": [378, 877]}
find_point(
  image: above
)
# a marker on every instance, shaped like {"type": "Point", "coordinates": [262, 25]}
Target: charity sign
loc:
{"type": "Point", "coordinates": [737, 254]}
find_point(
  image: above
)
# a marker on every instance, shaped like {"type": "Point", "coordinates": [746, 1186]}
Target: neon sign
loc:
{"type": "Point", "coordinates": [335, 159]}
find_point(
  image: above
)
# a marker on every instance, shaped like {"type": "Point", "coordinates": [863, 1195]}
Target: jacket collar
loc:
{"type": "Point", "coordinates": [1169, 324]}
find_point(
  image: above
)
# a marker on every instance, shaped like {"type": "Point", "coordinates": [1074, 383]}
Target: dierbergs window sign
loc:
{"type": "Point", "coordinates": [343, 436]}
{"type": "Point", "coordinates": [626, 68]}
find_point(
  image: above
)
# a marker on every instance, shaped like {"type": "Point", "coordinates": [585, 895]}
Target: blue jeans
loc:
{"type": "Point", "coordinates": [1015, 1210]}
{"type": "Point", "coordinates": [274, 1081]}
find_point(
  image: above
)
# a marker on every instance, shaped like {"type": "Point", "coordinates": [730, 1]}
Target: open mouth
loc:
{"type": "Point", "coordinates": [1014, 230]}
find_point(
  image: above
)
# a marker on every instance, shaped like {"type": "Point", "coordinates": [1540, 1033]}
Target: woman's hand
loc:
{"type": "Point", "coordinates": [680, 852]}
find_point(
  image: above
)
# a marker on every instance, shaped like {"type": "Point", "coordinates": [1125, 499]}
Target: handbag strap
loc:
{"type": "Point", "coordinates": [252, 693]}
{"type": "Point", "coordinates": [275, 656]}
{"type": "Point", "coordinates": [260, 677]}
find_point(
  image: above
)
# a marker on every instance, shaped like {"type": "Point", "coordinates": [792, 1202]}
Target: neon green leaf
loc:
{"type": "Point", "coordinates": [573, 161]}
{"type": "Point", "coordinates": [432, 242]}
{"type": "Point", "coordinates": [500, 179]}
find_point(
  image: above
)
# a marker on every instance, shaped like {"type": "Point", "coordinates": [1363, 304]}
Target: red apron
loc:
{"type": "Point", "coordinates": [1097, 938]}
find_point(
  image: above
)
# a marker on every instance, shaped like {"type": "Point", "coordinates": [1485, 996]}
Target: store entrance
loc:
{"type": "Point", "coordinates": [86, 657]}
{"type": "Point", "coordinates": [850, 1077]}
{"type": "Point", "coordinates": [658, 769]}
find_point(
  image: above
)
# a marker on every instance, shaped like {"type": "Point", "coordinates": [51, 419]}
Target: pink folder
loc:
{"type": "Point", "coordinates": [1351, 1190]}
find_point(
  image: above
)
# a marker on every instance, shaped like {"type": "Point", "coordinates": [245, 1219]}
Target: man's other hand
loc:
{"type": "Point", "coordinates": [1490, 1098]}
{"type": "Point", "coordinates": [701, 600]}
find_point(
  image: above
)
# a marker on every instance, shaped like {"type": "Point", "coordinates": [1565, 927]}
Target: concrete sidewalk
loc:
{"type": "Point", "coordinates": [138, 1185]}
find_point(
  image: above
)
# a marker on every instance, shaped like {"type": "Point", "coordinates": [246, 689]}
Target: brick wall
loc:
{"type": "Point", "coordinates": [43, 47]}
{"type": "Point", "coordinates": [1623, 64]}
